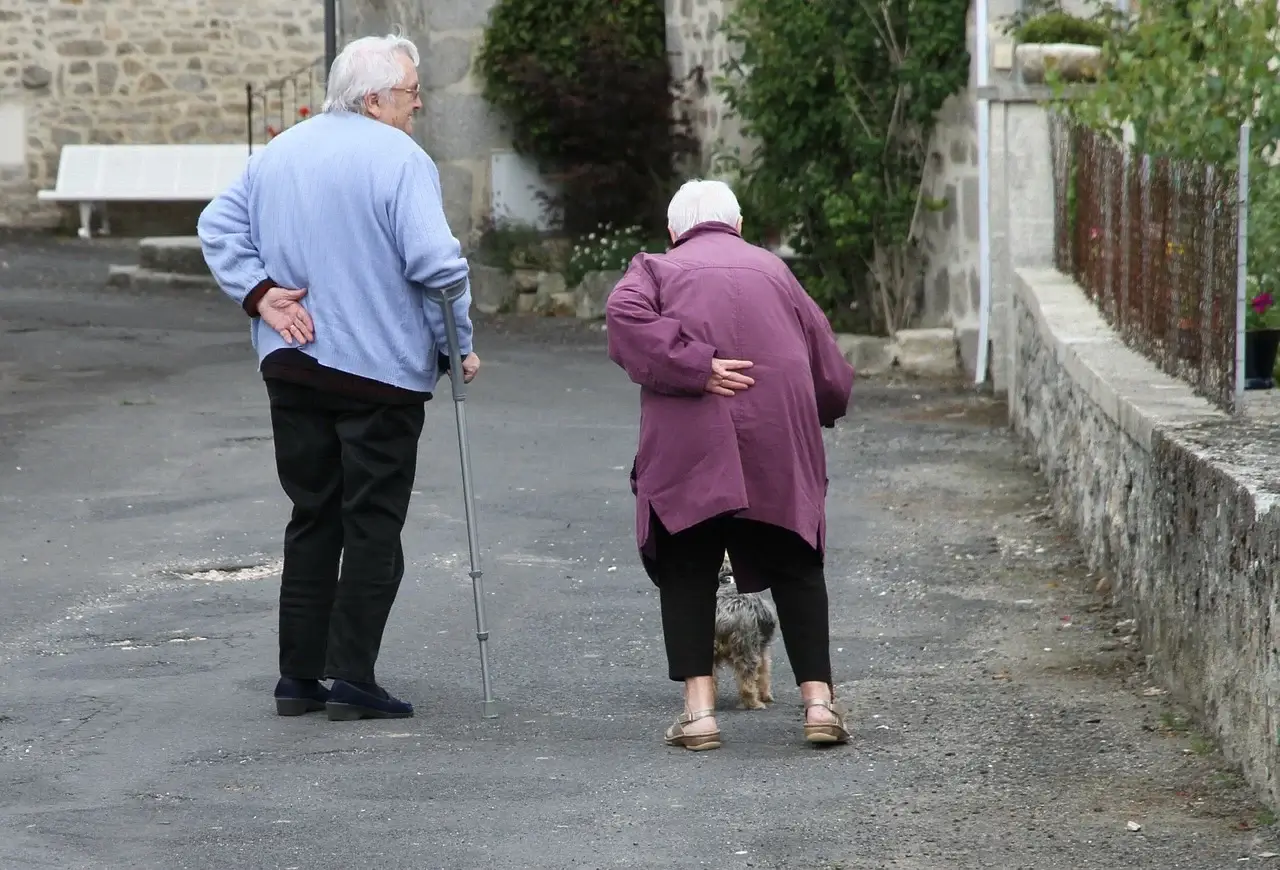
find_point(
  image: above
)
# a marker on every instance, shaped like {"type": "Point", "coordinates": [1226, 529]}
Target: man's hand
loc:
{"type": "Point", "coordinates": [470, 365]}
{"type": "Point", "coordinates": [726, 377]}
{"type": "Point", "coordinates": [280, 309]}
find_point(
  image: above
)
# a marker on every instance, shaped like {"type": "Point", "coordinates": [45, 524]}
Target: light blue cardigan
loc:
{"type": "Point", "coordinates": [350, 209]}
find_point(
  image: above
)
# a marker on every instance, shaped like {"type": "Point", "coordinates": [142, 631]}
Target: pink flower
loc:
{"type": "Point", "coordinates": [1261, 303]}
{"type": "Point", "coordinates": [1094, 234]}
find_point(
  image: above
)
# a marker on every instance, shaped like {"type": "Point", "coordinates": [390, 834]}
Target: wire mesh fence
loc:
{"type": "Point", "coordinates": [1153, 242]}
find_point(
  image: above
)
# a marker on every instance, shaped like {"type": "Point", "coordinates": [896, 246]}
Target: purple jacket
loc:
{"type": "Point", "coordinates": [758, 454]}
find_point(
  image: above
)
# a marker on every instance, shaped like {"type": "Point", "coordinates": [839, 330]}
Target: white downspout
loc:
{"type": "Point", "coordinates": [984, 192]}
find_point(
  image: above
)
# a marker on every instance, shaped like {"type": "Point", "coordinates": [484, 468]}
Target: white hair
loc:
{"type": "Point", "coordinates": [699, 201]}
{"type": "Point", "coordinates": [367, 65]}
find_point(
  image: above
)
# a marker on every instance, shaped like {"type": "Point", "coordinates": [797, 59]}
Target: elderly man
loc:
{"type": "Point", "coordinates": [739, 371]}
{"type": "Point", "coordinates": [329, 242]}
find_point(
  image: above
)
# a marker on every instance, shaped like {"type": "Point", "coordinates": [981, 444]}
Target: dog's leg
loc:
{"type": "Point", "coordinates": [747, 684]}
{"type": "Point", "coordinates": [764, 682]}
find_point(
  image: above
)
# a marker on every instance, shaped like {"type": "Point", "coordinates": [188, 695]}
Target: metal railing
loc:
{"type": "Point", "coordinates": [1155, 243]}
{"type": "Point", "coordinates": [274, 107]}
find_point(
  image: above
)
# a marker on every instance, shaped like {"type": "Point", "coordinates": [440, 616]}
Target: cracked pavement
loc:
{"type": "Point", "coordinates": [1001, 709]}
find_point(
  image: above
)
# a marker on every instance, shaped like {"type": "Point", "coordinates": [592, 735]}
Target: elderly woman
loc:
{"type": "Point", "coordinates": [739, 371]}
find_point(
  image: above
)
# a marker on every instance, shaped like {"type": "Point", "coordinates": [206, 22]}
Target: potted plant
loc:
{"type": "Point", "coordinates": [1050, 40]}
{"type": "Point", "coordinates": [1261, 336]}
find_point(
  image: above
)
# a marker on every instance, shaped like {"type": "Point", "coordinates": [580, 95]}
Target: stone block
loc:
{"type": "Point", "coordinates": [562, 304]}
{"type": "Point", "coordinates": [868, 354]}
{"type": "Point", "coordinates": [460, 126]}
{"type": "Point", "coordinates": [459, 14]}
{"type": "Point", "coordinates": [446, 62]}
{"type": "Point", "coordinates": [927, 351]}
{"type": "Point", "coordinates": [592, 293]}
{"type": "Point", "coordinates": [526, 303]}
{"type": "Point", "coordinates": [456, 187]}
{"type": "Point", "coordinates": [526, 280]}
{"type": "Point", "coordinates": [549, 284]}
{"type": "Point", "coordinates": [492, 290]}
{"type": "Point", "coordinates": [180, 255]}
{"type": "Point", "coordinates": [969, 211]}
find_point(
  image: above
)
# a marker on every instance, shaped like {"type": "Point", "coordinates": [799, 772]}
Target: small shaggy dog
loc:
{"type": "Point", "coordinates": [745, 625]}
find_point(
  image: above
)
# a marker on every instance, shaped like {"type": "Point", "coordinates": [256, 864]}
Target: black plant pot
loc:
{"type": "Point", "coordinates": [1260, 347]}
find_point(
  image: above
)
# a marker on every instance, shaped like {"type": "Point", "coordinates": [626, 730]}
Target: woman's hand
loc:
{"type": "Point", "coordinates": [726, 377]}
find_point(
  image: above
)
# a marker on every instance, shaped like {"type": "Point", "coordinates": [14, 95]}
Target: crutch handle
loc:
{"type": "Point", "coordinates": [440, 295]}
{"type": "Point", "coordinates": [445, 297]}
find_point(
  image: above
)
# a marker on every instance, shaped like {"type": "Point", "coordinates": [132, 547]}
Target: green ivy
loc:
{"type": "Point", "coordinates": [586, 88]}
{"type": "Point", "coordinates": [840, 100]}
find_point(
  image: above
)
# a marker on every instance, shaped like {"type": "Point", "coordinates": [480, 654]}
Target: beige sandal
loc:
{"type": "Point", "coordinates": [675, 735]}
{"type": "Point", "coordinates": [826, 732]}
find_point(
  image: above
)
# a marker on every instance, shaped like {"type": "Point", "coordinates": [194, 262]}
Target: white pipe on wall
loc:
{"type": "Point", "coordinates": [981, 15]}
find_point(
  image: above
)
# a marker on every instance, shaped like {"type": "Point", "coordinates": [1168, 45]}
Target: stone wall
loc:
{"type": "Point", "coordinates": [699, 52]}
{"type": "Point", "coordinates": [133, 71]}
{"type": "Point", "coordinates": [457, 127]}
{"type": "Point", "coordinates": [950, 238]}
{"type": "Point", "coordinates": [1173, 500]}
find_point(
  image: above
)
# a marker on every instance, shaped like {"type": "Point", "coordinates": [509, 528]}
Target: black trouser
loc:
{"type": "Point", "coordinates": [348, 467]}
{"type": "Point", "coordinates": [688, 568]}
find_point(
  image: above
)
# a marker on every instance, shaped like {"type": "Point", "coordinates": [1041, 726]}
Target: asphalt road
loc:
{"type": "Point", "coordinates": [1002, 714]}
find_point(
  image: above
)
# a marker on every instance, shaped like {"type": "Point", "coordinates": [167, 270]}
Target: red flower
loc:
{"type": "Point", "coordinates": [1261, 303]}
{"type": "Point", "coordinates": [303, 112]}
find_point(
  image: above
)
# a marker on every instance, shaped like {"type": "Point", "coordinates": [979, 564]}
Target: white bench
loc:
{"type": "Point", "coordinates": [93, 175]}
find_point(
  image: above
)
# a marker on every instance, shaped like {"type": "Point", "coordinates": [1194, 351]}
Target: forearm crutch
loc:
{"type": "Point", "coordinates": [445, 299]}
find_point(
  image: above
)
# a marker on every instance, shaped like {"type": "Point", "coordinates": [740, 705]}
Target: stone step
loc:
{"type": "Point", "coordinates": [138, 278]}
{"type": "Point", "coordinates": [175, 255]}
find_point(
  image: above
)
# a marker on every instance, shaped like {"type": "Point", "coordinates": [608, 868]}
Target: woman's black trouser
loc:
{"type": "Point", "coordinates": [688, 569]}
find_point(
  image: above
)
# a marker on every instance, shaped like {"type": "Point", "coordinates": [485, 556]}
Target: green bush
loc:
{"type": "Point", "coordinates": [587, 90]}
{"type": "Point", "coordinates": [609, 250]}
{"type": "Point", "coordinates": [1059, 26]}
{"type": "Point", "coordinates": [841, 101]}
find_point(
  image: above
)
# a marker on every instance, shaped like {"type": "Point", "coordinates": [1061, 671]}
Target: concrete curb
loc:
{"type": "Point", "coordinates": [921, 352]}
{"type": "Point", "coordinates": [138, 278]}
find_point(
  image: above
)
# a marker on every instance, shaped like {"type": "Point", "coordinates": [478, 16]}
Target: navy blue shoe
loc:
{"type": "Point", "coordinates": [295, 697]}
{"type": "Point", "coordinates": [351, 701]}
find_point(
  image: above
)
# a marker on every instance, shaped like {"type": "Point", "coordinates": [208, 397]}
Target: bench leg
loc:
{"type": "Point", "coordinates": [86, 216]}
{"type": "Point", "coordinates": [106, 219]}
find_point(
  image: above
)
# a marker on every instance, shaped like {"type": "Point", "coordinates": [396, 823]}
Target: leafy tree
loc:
{"type": "Point", "coordinates": [840, 100]}
{"type": "Point", "coordinates": [1186, 75]}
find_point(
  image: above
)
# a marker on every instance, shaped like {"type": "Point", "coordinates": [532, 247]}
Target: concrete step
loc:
{"type": "Point", "coordinates": [176, 255]}
{"type": "Point", "coordinates": [138, 278]}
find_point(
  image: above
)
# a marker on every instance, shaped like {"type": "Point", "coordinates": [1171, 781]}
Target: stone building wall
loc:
{"type": "Point", "coordinates": [133, 71]}
{"type": "Point", "coordinates": [699, 53]}
{"type": "Point", "coordinates": [457, 127]}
